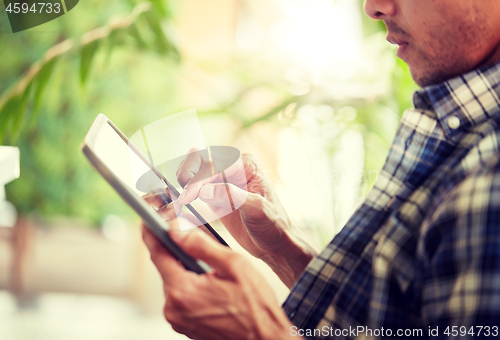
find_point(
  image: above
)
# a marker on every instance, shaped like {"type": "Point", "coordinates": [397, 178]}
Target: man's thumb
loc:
{"type": "Point", "coordinates": [200, 246]}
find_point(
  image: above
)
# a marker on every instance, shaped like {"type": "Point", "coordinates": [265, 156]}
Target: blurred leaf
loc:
{"type": "Point", "coordinates": [134, 31]}
{"type": "Point", "coordinates": [162, 43]}
{"type": "Point", "coordinates": [41, 81]}
{"type": "Point", "coordinates": [7, 112]}
{"type": "Point", "coordinates": [17, 121]}
{"type": "Point", "coordinates": [87, 55]}
{"type": "Point", "coordinates": [113, 41]}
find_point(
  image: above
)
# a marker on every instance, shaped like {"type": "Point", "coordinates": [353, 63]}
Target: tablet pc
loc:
{"type": "Point", "coordinates": [112, 154]}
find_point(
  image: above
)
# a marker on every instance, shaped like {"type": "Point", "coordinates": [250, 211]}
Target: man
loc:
{"type": "Point", "coordinates": [420, 257]}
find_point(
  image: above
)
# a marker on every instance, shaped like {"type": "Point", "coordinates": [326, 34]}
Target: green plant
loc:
{"type": "Point", "coordinates": [47, 110]}
{"type": "Point", "coordinates": [143, 25]}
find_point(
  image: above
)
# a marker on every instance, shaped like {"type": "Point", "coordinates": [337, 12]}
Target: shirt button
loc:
{"type": "Point", "coordinates": [454, 122]}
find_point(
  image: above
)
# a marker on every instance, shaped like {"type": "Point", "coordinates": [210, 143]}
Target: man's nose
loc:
{"type": "Point", "coordinates": [379, 9]}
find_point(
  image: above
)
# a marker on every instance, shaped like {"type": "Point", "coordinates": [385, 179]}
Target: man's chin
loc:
{"type": "Point", "coordinates": [434, 77]}
{"type": "Point", "coordinates": [437, 75]}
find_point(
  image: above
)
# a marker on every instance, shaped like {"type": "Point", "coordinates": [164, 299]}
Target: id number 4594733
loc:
{"type": "Point", "coordinates": [35, 8]}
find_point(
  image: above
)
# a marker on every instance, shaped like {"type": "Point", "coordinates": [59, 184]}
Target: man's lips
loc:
{"type": "Point", "coordinates": [396, 41]}
{"type": "Point", "coordinates": [403, 45]}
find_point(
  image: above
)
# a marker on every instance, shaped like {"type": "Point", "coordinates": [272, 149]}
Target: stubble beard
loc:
{"type": "Point", "coordinates": [453, 56]}
{"type": "Point", "coordinates": [438, 67]}
{"type": "Point", "coordinates": [433, 75]}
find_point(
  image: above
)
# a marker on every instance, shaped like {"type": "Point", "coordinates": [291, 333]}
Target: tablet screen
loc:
{"type": "Point", "coordinates": [116, 154]}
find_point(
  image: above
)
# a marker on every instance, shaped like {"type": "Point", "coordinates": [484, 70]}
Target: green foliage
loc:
{"type": "Point", "coordinates": [47, 110]}
{"type": "Point", "coordinates": [13, 102]}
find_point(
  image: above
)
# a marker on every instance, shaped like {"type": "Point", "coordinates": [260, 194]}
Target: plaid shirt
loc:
{"type": "Point", "coordinates": [423, 250]}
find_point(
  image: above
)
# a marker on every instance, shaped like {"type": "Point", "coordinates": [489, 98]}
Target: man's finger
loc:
{"type": "Point", "coordinates": [191, 165]}
{"type": "Point", "coordinates": [229, 195]}
{"type": "Point", "coordinates": [204, 175]}
{"type": "Point", "coordinates": [157, 200]}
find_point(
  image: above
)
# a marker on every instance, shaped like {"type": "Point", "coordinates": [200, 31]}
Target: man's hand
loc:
{"type": "Point", "coordinates": [231, 302]}
{"type": "Point", "coordinates": [260, 223]}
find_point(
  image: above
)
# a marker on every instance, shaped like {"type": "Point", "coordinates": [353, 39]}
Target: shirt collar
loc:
{"type": "Point", "coordinates": [463, 102]}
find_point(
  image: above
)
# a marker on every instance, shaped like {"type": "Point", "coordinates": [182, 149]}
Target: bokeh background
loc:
{"type": "Point", "coordinates": [312, 88]}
